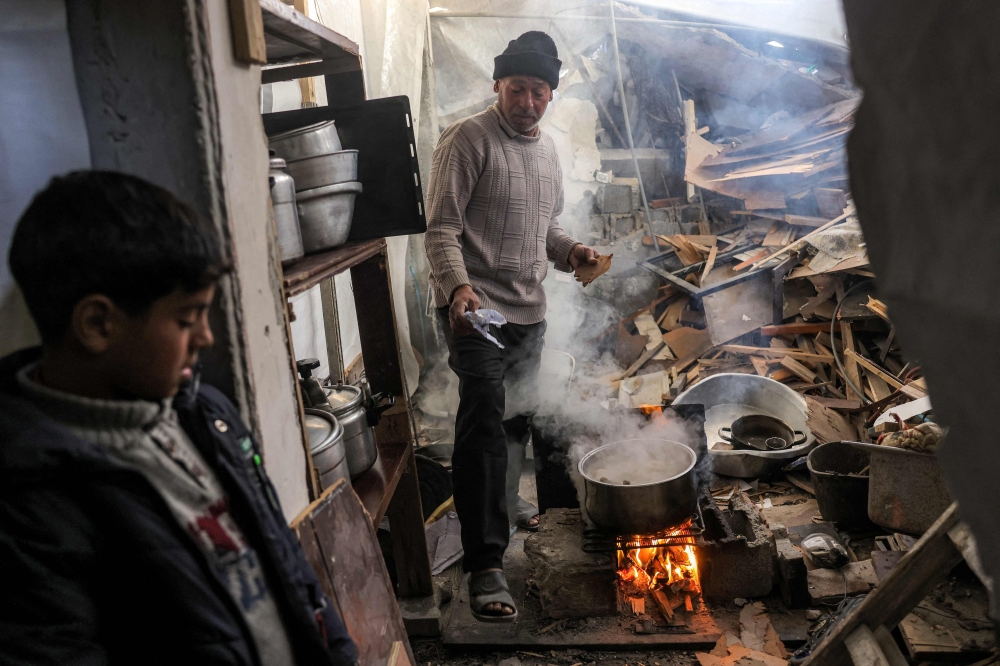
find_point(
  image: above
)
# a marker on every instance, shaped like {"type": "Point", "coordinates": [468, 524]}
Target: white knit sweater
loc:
{"type": "Point", "coordinates": [494, 198]}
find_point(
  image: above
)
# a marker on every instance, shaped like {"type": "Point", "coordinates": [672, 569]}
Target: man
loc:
{"type": "Point", "coordinates": [137, 525]}
{"type": "Point", "coordinates": [495, 193]}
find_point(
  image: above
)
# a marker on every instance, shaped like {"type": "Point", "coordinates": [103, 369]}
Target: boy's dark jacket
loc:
{"type": "Point", "coordinates": [95, 570]}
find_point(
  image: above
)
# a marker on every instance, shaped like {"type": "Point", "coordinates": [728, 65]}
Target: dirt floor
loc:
{"type": "Point", "coordinates": [432, 653]}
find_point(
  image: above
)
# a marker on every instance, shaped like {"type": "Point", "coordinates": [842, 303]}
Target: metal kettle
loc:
{"type": "Point", "coordinates": [286, 215]}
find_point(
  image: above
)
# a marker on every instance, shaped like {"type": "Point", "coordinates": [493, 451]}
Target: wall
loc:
{"type": "Point", "coordinates": [42, 132]}
{"type": "Point", "coordinates": [244, 170]}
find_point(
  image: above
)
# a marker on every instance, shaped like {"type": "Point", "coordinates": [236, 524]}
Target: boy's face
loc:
{"type": "Point", "coordinates": [157, 351]}
{"type": "Point", "coordinates": [147, 356]}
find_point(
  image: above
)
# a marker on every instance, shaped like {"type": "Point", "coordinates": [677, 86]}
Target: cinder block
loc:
{"type": "Point", "coordinates": [570, 582]}
{"type": "Point", "coordinates": [792, 574]}
{"type": "Point", "coordinates": [614, 198]}
{"type": "Point", "coordinates": [734, 553]}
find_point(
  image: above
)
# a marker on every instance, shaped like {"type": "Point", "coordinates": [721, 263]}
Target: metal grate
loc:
{"type": "Point", "coordinates": [598, 541]}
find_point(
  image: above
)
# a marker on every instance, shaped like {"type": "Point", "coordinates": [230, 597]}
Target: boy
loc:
{"type": "Point", "coordinates": [136, 523]}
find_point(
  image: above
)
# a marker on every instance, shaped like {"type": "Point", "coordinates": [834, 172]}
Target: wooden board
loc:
{"type": "Point", "coordinates": [341, 545]}
{"type": "Point", "coordinates": [248, 31]}
{"type": "Point", "coordinates": [376, 486]}
{"type": "Point", "coordinates": [686, 342]}
{"type": "Point", "coordinates": [302, 274]}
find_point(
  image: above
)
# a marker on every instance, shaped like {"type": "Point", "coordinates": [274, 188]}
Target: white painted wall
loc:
{"type": "Point", "coordinates": [42, 132]}
{"type": "Point", "coordinates": [245, 166]}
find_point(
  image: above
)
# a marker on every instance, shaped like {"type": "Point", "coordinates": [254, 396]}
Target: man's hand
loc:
{"type": "Point", "coordinates": [462, 301]}
{"type": "Point", "coordinates": [581, 254]}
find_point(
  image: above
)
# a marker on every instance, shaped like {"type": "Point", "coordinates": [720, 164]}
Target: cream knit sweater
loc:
{"type": "Point", "coordinates": [494, 198]}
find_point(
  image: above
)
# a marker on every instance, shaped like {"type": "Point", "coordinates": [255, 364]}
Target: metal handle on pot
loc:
{"type": "Point", "coordinates": [800, 438]}
{"type": "Point", "coordinates": [723, 435]}
{"type": "Point", "coordinates": [374, 410]}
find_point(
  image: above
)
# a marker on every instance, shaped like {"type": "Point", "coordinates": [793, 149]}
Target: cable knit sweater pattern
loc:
{"type": "Point", "coordinates": [495, 196]}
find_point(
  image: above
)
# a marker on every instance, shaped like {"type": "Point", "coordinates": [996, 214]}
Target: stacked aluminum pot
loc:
{"type": "Point", "coordinates": [326, 183]}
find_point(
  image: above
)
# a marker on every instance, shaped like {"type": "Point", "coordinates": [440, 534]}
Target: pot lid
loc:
{"type": "Point", "coordinates": [277, 163]}
{"type": "Point", "coordinates": [323, 429]}
{"type": "Point", "coordinates": [344, 398]}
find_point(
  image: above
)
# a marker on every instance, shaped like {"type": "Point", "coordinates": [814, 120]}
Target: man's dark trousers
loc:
{"type": "Point", "coordinates": [479, 463]}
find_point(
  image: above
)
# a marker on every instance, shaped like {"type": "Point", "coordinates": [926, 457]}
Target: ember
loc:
{"type": "Point", "coordinates": [669, 565]}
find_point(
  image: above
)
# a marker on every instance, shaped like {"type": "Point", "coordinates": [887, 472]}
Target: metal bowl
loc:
{"type": "Point", "coordinates": [649, 505]}
{"type": "Point", "coordinates": [322, 170]}
{"type": "Point", "coordinates": [325, 215]}
{"type": "Point", "coordinates": [729, 396]}
{"type": "Point", "coordinates": [303, 142]}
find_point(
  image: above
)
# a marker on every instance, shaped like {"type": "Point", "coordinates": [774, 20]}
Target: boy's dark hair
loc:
{"type": "Point", "coordinates": [101, 232]}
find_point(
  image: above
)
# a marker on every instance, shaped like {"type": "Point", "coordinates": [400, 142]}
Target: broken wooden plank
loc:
{"type": "Point", "coordinates": [775, 352]}
{"type": "Point", "coordinates": [879, 389]}
{"type": "Point", "coordinates": [794, 329]}
{"type": "Point", "coordinates": [749, 262]}
{"type": "Point", "coordinates": [850, 365]}
{"type": "Point", "coordinates": [686, 342]}
{"type": "Point", "coordinates": [835, 403]}
{"type": "Point", "coordinates": [587, 273]}
{"type": "Point", "coordinates": [799, 242]}
{"type": "Point", "coordinates": [884, 375]}
{"type": "Point", "coordinates": [709, 264]}
{"type": "Point", "coordinates": [799, 370]}
{"type": "Point", "coordinates": [806, 221]}
{"type": "Point", "coordinates": [760, 365]}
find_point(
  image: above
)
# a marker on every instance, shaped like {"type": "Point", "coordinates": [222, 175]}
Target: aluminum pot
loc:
{"type": "Point", "coordinates": [297, 144]}
{"type": "Point", "coordinates": [661, 492]}
{"type": "Point", "coordinates": [325, 215]}
{"type": "Point", "coordinates": [326, 445]}
{"type": "Point", "coordinates": [322, 170]}
{"type": "Point", "coordinates": [286, 215]}
{"type": "Point", "coordinates": [358, 413]}
{"type": "Point", "coordinates": [906, 490]}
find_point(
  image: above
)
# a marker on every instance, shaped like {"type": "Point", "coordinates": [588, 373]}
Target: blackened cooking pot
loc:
{"type": "Point", "coordinates": [639, 486]}
{"type": "Point", "coordinates": [763, 433]}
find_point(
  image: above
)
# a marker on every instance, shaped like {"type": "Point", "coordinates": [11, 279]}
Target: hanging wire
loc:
{"type": "Point", "coordinates": [628, 125]}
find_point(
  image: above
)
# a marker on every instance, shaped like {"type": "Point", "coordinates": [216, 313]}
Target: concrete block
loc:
{"type": "Point", "coordinates": [614, 198]}
{"type": "Point", "coordinates": [422, 615]}
{"type": "Point", "coordinates": [792, 574]}
{"type": "Point", "coordinates": [570, 582]}
{"type": "Point", "coordinates": [734, 554]}
{"type": "Point", "coordinates": [828, 585]}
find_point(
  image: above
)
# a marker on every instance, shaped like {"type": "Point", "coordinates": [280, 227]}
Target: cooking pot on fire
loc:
{"type": "Point", "coordinates": [762, 432]}
{"type": "Point", "coordinates": [639, 486]}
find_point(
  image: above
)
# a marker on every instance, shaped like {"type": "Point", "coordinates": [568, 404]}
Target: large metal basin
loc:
{"type": "Point", "coordinates": [907, 492]}
{"type": "Point", "coordinates": [661, 494]}
{"type": "Point", "coordinates": [729, 396]}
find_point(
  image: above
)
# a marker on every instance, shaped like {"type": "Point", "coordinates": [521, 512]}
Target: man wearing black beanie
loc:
{"type": "Point", "coordinates": [495, 196]}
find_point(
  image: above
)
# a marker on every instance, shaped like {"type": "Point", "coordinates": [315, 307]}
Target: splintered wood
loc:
{"type": "Point", "coordinates": [587, 273]}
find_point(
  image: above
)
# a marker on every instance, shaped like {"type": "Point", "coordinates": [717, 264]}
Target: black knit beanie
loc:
{"type": "Point", "coordinates": [532, 54]}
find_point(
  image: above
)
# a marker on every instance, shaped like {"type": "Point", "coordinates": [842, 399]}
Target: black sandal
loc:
{"type": "Point", "coordinates": [490, 587]}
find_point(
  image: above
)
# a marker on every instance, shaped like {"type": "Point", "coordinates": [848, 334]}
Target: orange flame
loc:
{"type": "Point", "coordinates": [674, 566]}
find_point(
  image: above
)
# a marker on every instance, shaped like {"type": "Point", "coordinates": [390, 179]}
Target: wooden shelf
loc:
{"type": "Point", "coordinates": [376, 486]}
{"type": "Point", "coordinates": [291, 37]}
{"type": "Point", "coordinates": [309, 271]}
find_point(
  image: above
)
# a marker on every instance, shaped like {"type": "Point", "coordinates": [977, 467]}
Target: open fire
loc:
{"type": "Point", "coordinates": [666, 566]}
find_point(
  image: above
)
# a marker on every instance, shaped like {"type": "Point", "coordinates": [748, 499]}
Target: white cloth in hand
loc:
{"type": "Point", "coordinates": [481, 320]}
